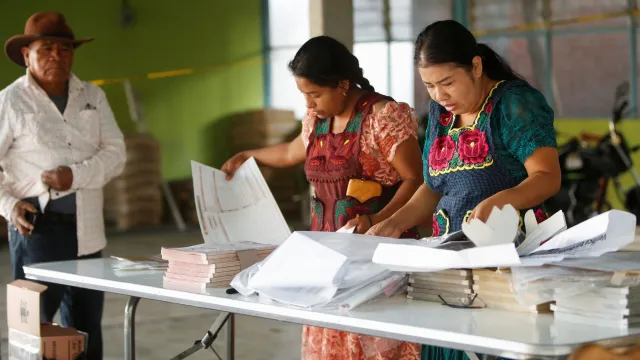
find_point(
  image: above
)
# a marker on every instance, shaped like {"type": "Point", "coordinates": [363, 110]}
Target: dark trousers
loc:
{"type": "Point", "coordinates": [79, 308]}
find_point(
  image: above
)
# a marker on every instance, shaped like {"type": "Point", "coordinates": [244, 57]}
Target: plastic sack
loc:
{"type": "Point", "coordinates": [385, 285]}
{"type": "Point", "coordinates": [538, 285]}
{"type": "Point", "coordinates": [359, 279]}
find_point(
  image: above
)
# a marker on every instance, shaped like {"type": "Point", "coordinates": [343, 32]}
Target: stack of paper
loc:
{"type": "Point", "coordinates": [495, 289]}
{"type": "Point", "coordinates": [205, 266]}
{"type": "Point", "coordinates": [612, 307]}
{"type": "Point", "coordinates": [455, 287]}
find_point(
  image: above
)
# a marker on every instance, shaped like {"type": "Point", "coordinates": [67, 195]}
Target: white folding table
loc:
{"type": "Point", "coordinates": [485, 331]}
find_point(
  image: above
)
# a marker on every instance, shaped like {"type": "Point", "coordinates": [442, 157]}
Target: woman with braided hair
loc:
{"type": "Point", "coordinates": [361, 155]}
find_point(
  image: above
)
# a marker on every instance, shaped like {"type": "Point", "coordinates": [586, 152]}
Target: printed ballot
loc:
{"type": "Point", "coordinates": [241, 225]}
{"type": "Point", "coordinates": [240, 209]}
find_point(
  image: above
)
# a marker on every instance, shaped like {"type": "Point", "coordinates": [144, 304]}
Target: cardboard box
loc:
{"type": "Point", "coordinates": [28, 338]}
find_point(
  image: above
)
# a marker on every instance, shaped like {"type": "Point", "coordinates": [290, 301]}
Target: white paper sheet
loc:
{"type": "Point", "coordinates": [415, 258]}
{"type": "Point", "coordinates": [299, 262]}
{"type": "Point", "coordinates": [345, 230]}
{"type": "Point", "coordinates": [603, 233]}
{"type": "Point", "coordinates": [241, 209]}
{"type": "Point", "coordinates": [539, 234]}
{"type": "Point", "coordinates": [501, 227]}
{"type": "Point", "coordinates": [617, 261]}
{"type": "Point", "coordinates": [313, 269]}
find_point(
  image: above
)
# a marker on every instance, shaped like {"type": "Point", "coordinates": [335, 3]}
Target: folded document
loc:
{"type": "Point", "coordinates": [545, 243]}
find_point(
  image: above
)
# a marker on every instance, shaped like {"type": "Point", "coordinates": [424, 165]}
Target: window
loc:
{"type": "Point", "coordinates": [288, 30]}
{"type": "Point", "coordinates": [387, 63]}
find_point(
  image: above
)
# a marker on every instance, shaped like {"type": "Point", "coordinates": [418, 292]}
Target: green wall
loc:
{"type": "Point", "coordinates": [181, 111]}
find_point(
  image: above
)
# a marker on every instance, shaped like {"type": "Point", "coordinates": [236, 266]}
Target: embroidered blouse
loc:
{"type": "Point", "coordinates": [383, 130]}
{"type": "Point", "coordinates": [523, 124]}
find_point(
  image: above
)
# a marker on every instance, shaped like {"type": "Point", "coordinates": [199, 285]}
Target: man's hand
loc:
{"type": "Point", "coordinates": [18, 218]}
{"type": "Point", "coordinates": [60, 178]}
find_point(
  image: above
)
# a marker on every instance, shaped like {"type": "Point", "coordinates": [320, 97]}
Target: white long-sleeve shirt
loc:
{"type": "Point", "coordinates": [36, 137]}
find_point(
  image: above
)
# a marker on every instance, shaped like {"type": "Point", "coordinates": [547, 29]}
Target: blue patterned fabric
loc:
{"type": "Point", "coordinates": [470, 164]}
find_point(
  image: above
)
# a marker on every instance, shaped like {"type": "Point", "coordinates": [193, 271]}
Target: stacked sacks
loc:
{"type": "Point", "coordinates": [134, 198]}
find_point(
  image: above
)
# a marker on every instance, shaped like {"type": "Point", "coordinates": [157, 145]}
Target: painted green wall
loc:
{"type": "Point", "coordinates": [181, 111]}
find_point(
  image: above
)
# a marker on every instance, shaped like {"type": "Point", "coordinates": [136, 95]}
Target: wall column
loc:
{"type": "Point", "coordinates": [332, 18]}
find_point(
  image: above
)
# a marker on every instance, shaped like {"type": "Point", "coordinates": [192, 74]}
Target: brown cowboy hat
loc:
{"type": "Point", "coordinates": [41, 26]}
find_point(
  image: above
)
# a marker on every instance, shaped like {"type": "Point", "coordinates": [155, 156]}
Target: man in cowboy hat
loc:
{"type": "Point", "coordinates": [59, 145]}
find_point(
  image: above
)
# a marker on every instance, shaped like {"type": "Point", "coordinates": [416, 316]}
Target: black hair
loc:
{"type": "Point", "coordinates": [448, 41]}
{"type": "Point", "coordinates": [325, 61]}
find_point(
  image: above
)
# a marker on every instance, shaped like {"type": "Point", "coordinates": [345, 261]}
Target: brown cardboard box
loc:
{"type": "Point", "coordinates": [28, 338]}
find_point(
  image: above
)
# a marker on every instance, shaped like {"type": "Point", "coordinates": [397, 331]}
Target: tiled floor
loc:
{"type": "Point", "coordinates": [164, 330]}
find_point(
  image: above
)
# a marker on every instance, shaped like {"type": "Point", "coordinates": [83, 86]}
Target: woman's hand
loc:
{"type": "Point", "coordinates": [386, 228]}
{"type": "Point", "coordinates": [231, 166]}
{"type": "Point", "coordinates": [362, 224]}
{"type": "Point", "coordinates": [483, 210]}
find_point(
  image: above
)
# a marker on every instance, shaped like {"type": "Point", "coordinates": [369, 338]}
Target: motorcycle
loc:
{"type": "Point", "coordinates": [589, 163]}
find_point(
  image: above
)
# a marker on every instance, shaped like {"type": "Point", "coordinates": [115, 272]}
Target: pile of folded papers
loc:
{"type": "Point", "coordinates": [453, 287]}
{"type": "Point", "coordinates": [200, 267]}
{"type": "Point", "coordinates": [495, 289]}
{"type": "Point", "coordinates": [617, 307]}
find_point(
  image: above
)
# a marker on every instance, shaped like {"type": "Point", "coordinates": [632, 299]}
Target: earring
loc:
{"type": "Point", "coordinates": [344, 93]}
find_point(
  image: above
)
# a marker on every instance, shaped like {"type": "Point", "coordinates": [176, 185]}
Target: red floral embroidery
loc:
{"type": "Point", "coordinates": [445, 119]}
{"type": "Point", "coordinates": [540, 215]}
{"type": "Point", "coordinates": [489, 107]}
{"type": "Point", "coordinates": [319, 344]}
{"type": "Point", "coordinates": [386, 145]}
{"type": "Point", "coordinates": [435, 227]}
{"type": "Point", "coordinates": [472, 146]}
{"type": "Point", "coordinates": [370, 165]}
{"type": "Point", "coordinates": [441, 152]}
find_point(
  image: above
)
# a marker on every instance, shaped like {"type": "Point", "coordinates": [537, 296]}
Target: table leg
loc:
{"type": "Point", "coordinates": [231, 337]}
{"type": "Point", "coordinates": [130, 328]}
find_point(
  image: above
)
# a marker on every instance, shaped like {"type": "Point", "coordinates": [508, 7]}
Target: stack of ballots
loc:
{"type": "Point", "coordinates": [204, 266]}
{"type": "Point", "coordinates": [610, 306]}
{"type": "Point", "coordinates": [495, 288]}
{"type": "Point", "coordinates": [455, 287]}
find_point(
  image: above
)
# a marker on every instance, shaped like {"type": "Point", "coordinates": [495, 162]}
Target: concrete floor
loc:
{"type": "Point", "coordinates": [255, 338]}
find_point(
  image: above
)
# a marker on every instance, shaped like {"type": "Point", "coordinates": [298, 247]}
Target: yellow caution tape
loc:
{"type": "Point", "coordinates": [178, 72]}
{"type": "Point", "coordinates": [559, 22]}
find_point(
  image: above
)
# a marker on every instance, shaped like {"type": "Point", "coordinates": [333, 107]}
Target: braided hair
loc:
{"type": "Point", "coordinates": [448, 41]}
{"type": "Point", "coordinates": [325, 61]}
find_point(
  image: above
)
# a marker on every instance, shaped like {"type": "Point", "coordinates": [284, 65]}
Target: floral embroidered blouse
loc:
{"type": "Point", "coordinates": [522, 124]}
{"type": "Point", "coordinates": [382, 131]}
{"type": "Point", "coordinates": [469, 164]}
